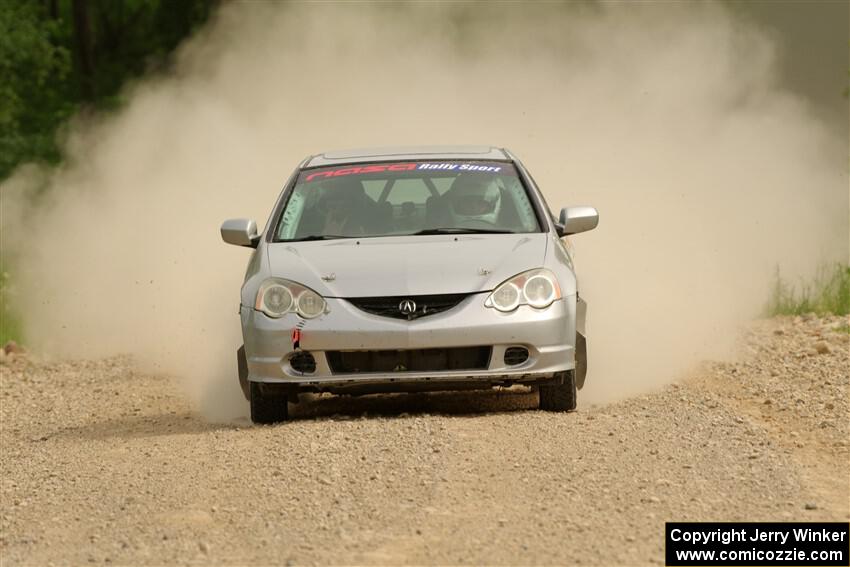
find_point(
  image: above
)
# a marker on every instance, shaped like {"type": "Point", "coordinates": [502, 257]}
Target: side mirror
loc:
{"type": "Point", "coordinates": [241, 232]}
{"type": "Point", "coordinates": [577, 219]}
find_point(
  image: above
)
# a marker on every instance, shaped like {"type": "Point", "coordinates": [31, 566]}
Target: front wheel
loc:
{"type": "Point", "coordinates": [268, 403]}
{"type": "Point", "coordinates": [560, 395]}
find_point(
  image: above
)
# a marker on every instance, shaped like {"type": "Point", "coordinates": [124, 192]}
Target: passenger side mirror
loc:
{"type": "Point", "coordinates": [241, 232]}
{"type": "Point", "coordinates": [577, 219]}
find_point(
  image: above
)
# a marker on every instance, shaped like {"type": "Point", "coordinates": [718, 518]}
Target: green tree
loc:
{"type": "Point", "coordinates": [59, 55]}
{"type": "Point", "coordinates": [34, 68]}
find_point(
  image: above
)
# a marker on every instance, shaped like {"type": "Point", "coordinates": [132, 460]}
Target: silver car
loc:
{"type": "Point", "coordinates": [410, 269]}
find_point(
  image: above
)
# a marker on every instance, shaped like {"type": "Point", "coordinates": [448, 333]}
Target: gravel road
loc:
{"type": "Point", "coordinates": [103, 464]}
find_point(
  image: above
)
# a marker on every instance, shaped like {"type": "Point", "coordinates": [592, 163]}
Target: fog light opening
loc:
{"type": "Point", "coordinates": [515, 355]}
{"type": "Point", "coordinates": [303, 362]}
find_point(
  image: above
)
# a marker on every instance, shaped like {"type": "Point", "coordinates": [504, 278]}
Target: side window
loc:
{"type": "Point", "coordinates": [374, 188]}
{"type": "Point", "coordinates": [442, 184]}
{"type": "Point", "coordinates": [525, 210]}
{"type": "Point", "coordinates": [408, 190]}
{"type": "Point", "coordinates": [291, 217]}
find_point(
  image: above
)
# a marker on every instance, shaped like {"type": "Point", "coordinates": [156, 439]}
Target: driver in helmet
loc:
{"type": "Point", "coordinates": [473, 197]}
{"type": "Point", "coordinates": [343, 206]}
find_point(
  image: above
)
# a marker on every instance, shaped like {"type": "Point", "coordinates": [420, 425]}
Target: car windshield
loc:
{"type": "Point", "coordinates": [406, 198]}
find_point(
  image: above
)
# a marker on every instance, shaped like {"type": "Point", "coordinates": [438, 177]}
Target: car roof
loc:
{"type": "Point", "coordinates": [406, 153]}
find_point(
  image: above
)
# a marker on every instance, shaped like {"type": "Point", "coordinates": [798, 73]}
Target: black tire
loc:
{"type": "Point", "coordinates": [268, 403]}
{"type": "Point", "coordinates": [559, 395]}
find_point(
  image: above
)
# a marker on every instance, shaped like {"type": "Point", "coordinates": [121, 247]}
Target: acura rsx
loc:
{"type": "Point", "coordinates": [410, 269]}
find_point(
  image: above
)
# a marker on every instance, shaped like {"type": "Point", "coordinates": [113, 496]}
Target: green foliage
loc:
{"type": "Point", "coordinates": [828, 292]}
{"type": "Point", "coordinates": [133, 37]}
{"type": "Point", "coordinates": [58, 56]}
{"type": "Point", "coordinates": [34, 100]}
{"type": "Point", "coordinates": [10, 325]}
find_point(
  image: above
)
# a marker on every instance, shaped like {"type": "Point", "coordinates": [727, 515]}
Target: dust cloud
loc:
{"type": "Point", "coordinates": [669, 119]}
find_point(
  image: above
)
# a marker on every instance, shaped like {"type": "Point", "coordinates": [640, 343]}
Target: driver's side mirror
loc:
{"type": "Point", "coordinates": [241, 232]}
{"type": "Point", "coordinates": [577, 219]}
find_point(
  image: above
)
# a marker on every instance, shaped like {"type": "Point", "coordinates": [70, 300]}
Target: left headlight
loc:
{"type": "Point", "coordinates": [538, 288]}
{"type": "Point", "coordinates": [277, 297]}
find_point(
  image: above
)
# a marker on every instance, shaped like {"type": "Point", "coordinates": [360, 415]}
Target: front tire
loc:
{"type": "Point", "coordinates": [268, 403]}
{"type": "Point", "coordinates": [560, 395]}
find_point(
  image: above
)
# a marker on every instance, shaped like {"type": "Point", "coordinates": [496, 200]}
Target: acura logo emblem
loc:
{"type": "Point", "coordinates": [407, 307]}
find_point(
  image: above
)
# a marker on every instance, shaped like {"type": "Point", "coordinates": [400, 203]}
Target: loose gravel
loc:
{"type": "Point", "coordinates": [102, 464]}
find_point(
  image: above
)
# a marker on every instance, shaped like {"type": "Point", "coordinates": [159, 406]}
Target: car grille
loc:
{"type": "Point", "coordinates": [391, 306]}
{"type": "Point", "coordinates": [414, 360]}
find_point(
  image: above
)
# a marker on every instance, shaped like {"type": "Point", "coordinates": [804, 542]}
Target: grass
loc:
{"type": "Point", "coordinates": [10, 324]}
{"type": "Point", "coordinates": [827, 292]}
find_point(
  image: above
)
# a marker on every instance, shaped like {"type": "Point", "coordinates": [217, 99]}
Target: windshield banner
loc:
{"type": "Point", "coordinates": [453, 166]}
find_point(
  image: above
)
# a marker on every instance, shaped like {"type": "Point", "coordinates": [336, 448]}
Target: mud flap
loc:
{"type": "Point", "coordinates": [581, 360]}
{"type": "Point", "coordinates": [242, 368]}
{"type": "Point", "coordinates": [581, 342]}
{"type": "Point", "coordinates": [581, 315]}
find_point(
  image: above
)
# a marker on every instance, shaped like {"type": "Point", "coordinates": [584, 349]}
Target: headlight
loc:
{"type": "Point", "coordinates": [537, 288]}
{"type": "Point", "coordinates": [506, 297]}
{"type": "Point", "coordinates": [539, 291]}
{"type": "Point", "coordinates": [310, 304]}
{"type": "Point", "coordinates": [277, 297]}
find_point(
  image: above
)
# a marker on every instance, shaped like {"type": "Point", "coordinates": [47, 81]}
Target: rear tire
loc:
{"type": "Point", "coordinates": [559, 395]}
{"type": "Point", "coordinates": [268, 403]}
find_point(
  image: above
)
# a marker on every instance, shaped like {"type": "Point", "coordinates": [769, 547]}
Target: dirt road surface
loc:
{"type": "Point", "coordinates": [103, 464]}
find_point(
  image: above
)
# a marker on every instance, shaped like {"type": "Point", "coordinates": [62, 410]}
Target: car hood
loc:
{"type": "Point", "coordinates": [405, 265]}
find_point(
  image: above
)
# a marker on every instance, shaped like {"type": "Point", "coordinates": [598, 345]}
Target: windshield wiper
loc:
{"type": "Point", "coordinates": [316, 237]}
{"type": "Point", "coordinates": [462, 231]}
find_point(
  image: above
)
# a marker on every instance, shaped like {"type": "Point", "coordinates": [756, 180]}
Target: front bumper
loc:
{"type": "Point", "coordinates": [548, 334]}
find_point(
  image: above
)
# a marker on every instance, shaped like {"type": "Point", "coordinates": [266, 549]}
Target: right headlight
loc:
{"type": "Point", "coordinates": [538, 288]}
{"type": "Point", "coordinates": [277, 297]}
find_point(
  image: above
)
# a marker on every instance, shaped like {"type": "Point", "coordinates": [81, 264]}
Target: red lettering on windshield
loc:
{"type": "Point", "coordinates": [402, 167]}
{"type": "Point", "coordinates": [313, 176]}
{"type": "Point", "coordinates": [376, 168]}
